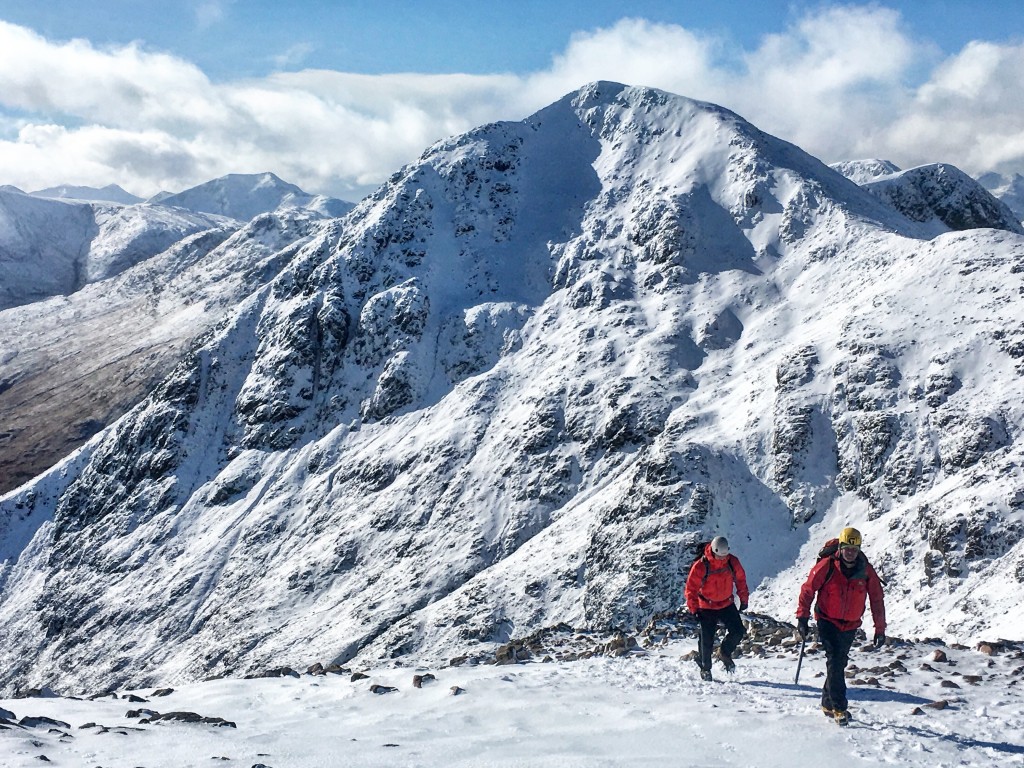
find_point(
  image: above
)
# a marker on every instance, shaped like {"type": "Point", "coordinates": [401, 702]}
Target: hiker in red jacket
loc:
{"type": "Point", "coordinates": [842, 580]}
{"type": "Point", "coordinates": [709, 597]}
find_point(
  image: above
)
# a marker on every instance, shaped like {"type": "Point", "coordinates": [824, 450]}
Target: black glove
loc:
{"type": "Point", "coordinates": [743, 606]}
{"type": "Point", "coordinates": [803, 627]}
{"type": "Point", "coordinates": [695, 614]}
{"type": "Point", "coordinates": [879, 639]}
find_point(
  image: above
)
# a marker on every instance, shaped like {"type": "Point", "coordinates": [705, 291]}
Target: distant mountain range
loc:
{"type": "Point", "coordinates": [73, 359]}
{"type": "Point", "coordinates": [1007, 187]}
{"type": "Point", "coordinates": [109, 194]}
{"type": "Point", "coordinates": [238, 196]}
{"type": "Point", "coordinates": [245, 196]}
{"type": "Point", "coordinates": [515, 386]}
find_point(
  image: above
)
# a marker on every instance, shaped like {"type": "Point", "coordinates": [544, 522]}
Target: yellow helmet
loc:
{"type": "Point", "coordinates": [850, 537]}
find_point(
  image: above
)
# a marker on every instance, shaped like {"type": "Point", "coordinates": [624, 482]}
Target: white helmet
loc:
{"type": "Point", "coordinates": [720, 546]}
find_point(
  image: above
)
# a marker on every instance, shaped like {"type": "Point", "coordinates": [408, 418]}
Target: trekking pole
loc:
{"type": "Point", "coordinates": [803, 642]}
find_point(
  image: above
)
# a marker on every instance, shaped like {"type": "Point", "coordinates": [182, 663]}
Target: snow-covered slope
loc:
{"type": "Point", "coordinates": [922, 705]}
{"type": "Point", "coordinates": [944, 196]}
{"type": "Point", "coordinates": [863, 171]}
{"type": "Point", "coordinates": [244, 196]}
{"type": "Point", "coordinates": [109, 194]}
{"type": "Point", "coordinates": [54, 247]}
{"type": "Point", "coordinates": [514, 389]}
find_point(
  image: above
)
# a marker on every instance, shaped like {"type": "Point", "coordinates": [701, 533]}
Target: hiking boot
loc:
{"type": "Point", "coordinates": [842, 717]}
{"type": "Point", "coordinates": [726, 659]}
{"type": "Point", "coordinates": [705, 674]}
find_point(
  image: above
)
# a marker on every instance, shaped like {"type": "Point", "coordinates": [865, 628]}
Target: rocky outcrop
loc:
{"type": "Point", "coordinates": [945, 194]}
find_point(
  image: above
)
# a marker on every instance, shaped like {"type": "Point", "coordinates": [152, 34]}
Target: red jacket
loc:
{"type": "Point", "coordinates": [709, 585]}
{"type": "Point", "coordinates": [841, 597]}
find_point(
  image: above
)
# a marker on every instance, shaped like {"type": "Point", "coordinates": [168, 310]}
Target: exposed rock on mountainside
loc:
{"type": "Point", "coordinates": [516, 387]}
{"type": "Point", "coordinates": [52, 396]}
{"type": "Point", "coordinates": [943, 193]}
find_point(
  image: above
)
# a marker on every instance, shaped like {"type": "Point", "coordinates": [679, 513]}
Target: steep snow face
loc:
{"type": "Point", "coordinates": [54, 247]}
{"type": "Point", "coordinates": [42, 246]}
{"type": "Point", "coordinates": [946, 197]}
{"type": "Point", "coordinates": [245, 196]}
{"type": "Point", "coordinates": [516, 385]}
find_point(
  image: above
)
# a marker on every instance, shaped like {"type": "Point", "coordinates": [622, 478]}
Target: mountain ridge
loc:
{"type": "Point", "coordinates": [514, 386]}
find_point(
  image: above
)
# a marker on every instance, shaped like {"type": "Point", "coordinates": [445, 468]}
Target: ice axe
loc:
{"type": "Point", "coordinates": [799, 661]}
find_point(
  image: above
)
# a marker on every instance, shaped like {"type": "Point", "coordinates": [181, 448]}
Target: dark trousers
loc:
{"type": "Point", "coordinates": [837, 645]}
{"type": "Point", "coordinates": [709, 621]}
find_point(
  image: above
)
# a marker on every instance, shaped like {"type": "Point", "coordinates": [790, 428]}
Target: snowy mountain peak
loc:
{"type": "Point", "coordinates": [943, 194]}
{"type": "Point", "coordinates": [1007, 187]}
{"type": "Point", "coordinates": [111, 193]}
{"type": "Point", "coordinates": [515, 386]}
{"type": "Point", "coordinates": [245, 196]}
{"type": "Point", "coordinates": [54, 247]}
{"type": "Point", "coordinates": [863, 171]}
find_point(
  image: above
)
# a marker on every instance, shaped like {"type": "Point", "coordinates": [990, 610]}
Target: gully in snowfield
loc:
{"type": "Point", "coordinates": [843, 580]}
{"type": "Point", "coordinates": [709, 597]}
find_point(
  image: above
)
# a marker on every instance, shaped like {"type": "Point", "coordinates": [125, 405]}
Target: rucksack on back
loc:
{"type": "Point", "coordinates": [828, 549]}
{"type": "Point", "coordinates": [698, 554]}
{"type": "Point", "coordinates": [698, 550]}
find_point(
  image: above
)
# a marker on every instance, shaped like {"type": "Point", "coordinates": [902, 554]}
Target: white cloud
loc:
{"type": "Point", "coordinates": [842, 82]}
{"type": "Point", "coordinates": [210, 12]}
{"type": "Point", "coordinates": [293, 56]}
{"type": "Point", "coordinates": [970, 109]}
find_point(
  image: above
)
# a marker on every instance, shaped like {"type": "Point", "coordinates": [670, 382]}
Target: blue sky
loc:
{"type": "Point", "coordinates": [240, 38]}
{"type": "Point", "coordinates": [165, 95]}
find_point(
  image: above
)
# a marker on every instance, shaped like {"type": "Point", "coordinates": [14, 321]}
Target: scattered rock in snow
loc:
{"type": "Point", "coordinates": [419, 680]}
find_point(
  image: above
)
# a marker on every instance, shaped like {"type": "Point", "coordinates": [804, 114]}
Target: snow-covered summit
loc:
{"type": "Point", "coordinates": [863, 171]}
{"type": "Point", "coordinates": [111, 193]}
{"type": "Point", "coordinates": [945, 196]}
{"type": "Point", "coordinates": [515, 386]}
{"type": "Point", "coordinates": [244, 196]}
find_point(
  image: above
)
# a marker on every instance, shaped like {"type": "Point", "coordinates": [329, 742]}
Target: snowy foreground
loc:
{"type": "Point", "coordinates": [645, 710]}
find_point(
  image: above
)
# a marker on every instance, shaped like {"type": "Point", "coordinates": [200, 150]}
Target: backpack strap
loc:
{"type": "Point", "coordinates": [831, 569]}
{"type": "Point", "coordinates": [707, 571]}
